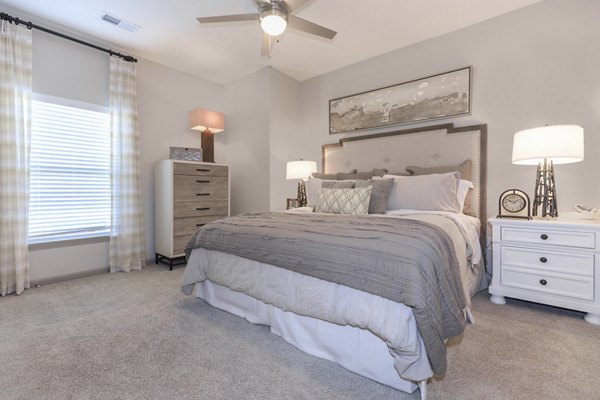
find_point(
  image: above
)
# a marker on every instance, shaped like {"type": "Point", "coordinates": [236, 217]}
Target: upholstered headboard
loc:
{"type": "Point", "coordinates": [430, 146]}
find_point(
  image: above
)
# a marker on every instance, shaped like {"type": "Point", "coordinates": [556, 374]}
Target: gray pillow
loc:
{"type": "Point", "coordinates": [380, 194]}
{"type": "Point", "coordinates": [337, 184]}
{"type": "Point", "coordinates": [463, 168]}
{"type": "Point", "coordinates": [358, 175]}
{"type": "Point", "coordinates": [399, 173]}
{"type": "Point", "coordinates": [379, 171]}
{"type": "Point", "coordinates": [320, 175]}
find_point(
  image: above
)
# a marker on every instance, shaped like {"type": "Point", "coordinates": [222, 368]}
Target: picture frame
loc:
{"type": "Point", "coordinates": [437, 96]}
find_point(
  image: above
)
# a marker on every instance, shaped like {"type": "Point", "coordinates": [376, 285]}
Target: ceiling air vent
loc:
{"type": "Point", "coordinates": [128, 26]}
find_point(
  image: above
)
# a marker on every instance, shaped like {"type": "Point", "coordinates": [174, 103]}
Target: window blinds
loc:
{"type": "Point", "coordinates": [70, 172]}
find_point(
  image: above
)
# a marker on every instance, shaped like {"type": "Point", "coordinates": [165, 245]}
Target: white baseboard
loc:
{"type": "Point", "coordinates": [68, 277]}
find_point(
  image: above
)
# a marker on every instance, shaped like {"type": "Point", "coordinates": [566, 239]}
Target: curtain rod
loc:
{"type": "Point", "coordinates": [30, 25]}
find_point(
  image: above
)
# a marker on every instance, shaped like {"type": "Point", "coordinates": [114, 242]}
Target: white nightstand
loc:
{"type": "Point", "coordinates": [549, 262]}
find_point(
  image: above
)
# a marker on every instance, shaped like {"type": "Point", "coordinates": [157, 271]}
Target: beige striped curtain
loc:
{"type": "Point", "coordinates": [127, 249]}
{"type": "Point", "coordinates": [15, 131]}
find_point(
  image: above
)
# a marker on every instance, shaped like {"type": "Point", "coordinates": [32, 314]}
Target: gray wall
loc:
{"type": "Point", "coordinates": [535, 66]}
{"type": "Point", "coordinates": [246, 141]}
{"type": "Point", "coordinates": [165, 96]}
{"type": "Point", "coordinates": [284, 126]}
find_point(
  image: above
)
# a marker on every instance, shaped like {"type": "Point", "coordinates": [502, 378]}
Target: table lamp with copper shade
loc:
{"type": "Point", "coordinates": [209, 122]}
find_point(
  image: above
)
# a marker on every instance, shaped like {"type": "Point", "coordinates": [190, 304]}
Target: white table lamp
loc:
{"type": "Point", "coordinates": [300, 170]}
{"type": "Point", "coordinates": [546, 146]}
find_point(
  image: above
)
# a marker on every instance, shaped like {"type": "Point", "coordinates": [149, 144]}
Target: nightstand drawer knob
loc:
{"type": "Point", "coordinates": [544, 236]}
{"type": "Point", "coordinates": [543, 259]}
{"type": "Point", "coordinates": [543, 282]}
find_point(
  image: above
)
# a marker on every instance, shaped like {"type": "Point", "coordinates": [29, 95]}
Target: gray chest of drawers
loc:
{"type": "Point", "coordinates": [548, 262]}
{"type": "Point", "coordinates": [187, 196]}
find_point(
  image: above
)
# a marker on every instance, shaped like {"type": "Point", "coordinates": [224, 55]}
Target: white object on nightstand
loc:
{"type": "Point", "coordinates": [553, 262]}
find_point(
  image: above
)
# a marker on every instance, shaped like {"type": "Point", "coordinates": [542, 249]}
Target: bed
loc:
{"type": "Point", "coordinates": [389, 328]}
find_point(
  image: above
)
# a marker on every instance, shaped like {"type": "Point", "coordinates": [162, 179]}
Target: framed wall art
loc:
{"type": "Point", "coordinates": [438, 96]}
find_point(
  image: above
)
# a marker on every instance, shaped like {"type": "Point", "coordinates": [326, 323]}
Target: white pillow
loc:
{"type": "Point", "coordinates": [435, 192]}
{"type": "Point", "coordinates": [313, 185]}
{"type": "Point", "coordinates": [463, 189]}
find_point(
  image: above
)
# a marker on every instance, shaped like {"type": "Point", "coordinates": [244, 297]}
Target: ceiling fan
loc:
{"type": "Point", "coordinates": [275, 16]}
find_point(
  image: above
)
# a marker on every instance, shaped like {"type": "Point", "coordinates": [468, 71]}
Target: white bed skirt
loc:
{"type": "Point", "coordinates": [355, 349]}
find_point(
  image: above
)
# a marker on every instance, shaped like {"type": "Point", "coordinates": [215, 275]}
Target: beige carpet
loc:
{"type": "Point", "coordinates": [135, 336]}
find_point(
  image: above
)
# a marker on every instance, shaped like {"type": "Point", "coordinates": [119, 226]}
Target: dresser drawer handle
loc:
{"type": "Point", "coordinates": [543, 259]}
{"type": "Point", "coordinates": [198, 225]}
{"type": "Point", "coordinates": [205, 181]}
{"type": "Point", "coordinates": [544, 236]}
{"type": "Point", "coordinates": [202, 208]}
{"type": "Point", "coordinates": [202, 194]}
{"type": "Point", "coordinates": [202, 170]}
{"type": "Point", "coordinates": [543, 282]}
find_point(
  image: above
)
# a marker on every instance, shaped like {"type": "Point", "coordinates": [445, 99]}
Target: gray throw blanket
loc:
{"type": "Point", "coordinates": [403, 260]}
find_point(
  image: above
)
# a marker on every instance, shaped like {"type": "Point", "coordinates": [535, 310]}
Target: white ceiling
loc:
{"type": "Point", "coordinates": [225, 52]}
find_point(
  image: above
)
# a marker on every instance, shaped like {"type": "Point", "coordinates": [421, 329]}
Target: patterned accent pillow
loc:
{"type": "Point", "coordinates": [313, 185]}
{"type": "Point", "coordinates": [344, 201]}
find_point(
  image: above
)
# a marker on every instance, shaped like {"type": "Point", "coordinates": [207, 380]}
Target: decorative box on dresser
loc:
{"type": "Point", "coordinates": [188, 195]}
{"type": "Point", "coordinates": [553, 262]}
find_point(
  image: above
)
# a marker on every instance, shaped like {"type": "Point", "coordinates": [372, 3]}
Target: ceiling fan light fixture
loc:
{"type": "Point", "coordinates": [273, 20]}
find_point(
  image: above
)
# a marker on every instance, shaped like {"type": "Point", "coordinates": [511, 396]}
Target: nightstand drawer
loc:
{"type": "Point", "coordinates": [577, 287]}
{"type": "Point", "coordinates": [547, 260]}
{"type": "Point", "coordinates": [179, 243]}
{"type": "Point", "coordinates": [199, 209]}
{"type": "Point", "coordinates": [192, 224]}
{"type": "Point", "coordinates": [585, 240]}
{"type": "Point", "coordinates": [180, 168]}
{"type": "Point", "coordinates": [199, 188]}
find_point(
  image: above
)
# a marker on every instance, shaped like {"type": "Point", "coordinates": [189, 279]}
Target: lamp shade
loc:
{"type": "Point", "coordinates": [201, 119]}
{"type": "Point", "coordinates": [300, 169]}
{"type": "Point", "coordinates": [273, 20]}
{"type": "Point", "coordinates": [561, 144]}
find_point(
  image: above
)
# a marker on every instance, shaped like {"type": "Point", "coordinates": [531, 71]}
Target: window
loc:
{"type": "Point", "coordinates": [70, 170]}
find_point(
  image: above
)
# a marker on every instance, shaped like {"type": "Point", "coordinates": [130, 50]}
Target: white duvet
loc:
{"type": "Point", "coordinates": [393, 322]}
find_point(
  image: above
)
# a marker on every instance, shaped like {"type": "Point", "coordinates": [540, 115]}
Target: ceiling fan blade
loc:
{"type": "Point", "coordinates": [228, 18]}
{"type": "Point", "coordinates": [266, 45]}
{"type": "Point", "coordinates": [293, 5]}
{"type": "Point", "coordinates": [260, 3]}
{"type": "Point", "coordinates": [309, 27]}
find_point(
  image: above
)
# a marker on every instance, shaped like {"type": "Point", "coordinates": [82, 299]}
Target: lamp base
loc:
{"type": "Point", "coordinates": [208, 146]}
{"type": "Point", "coordinates": [545, 191]}
{"type": "Point", "coordinates": [302, 194]}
